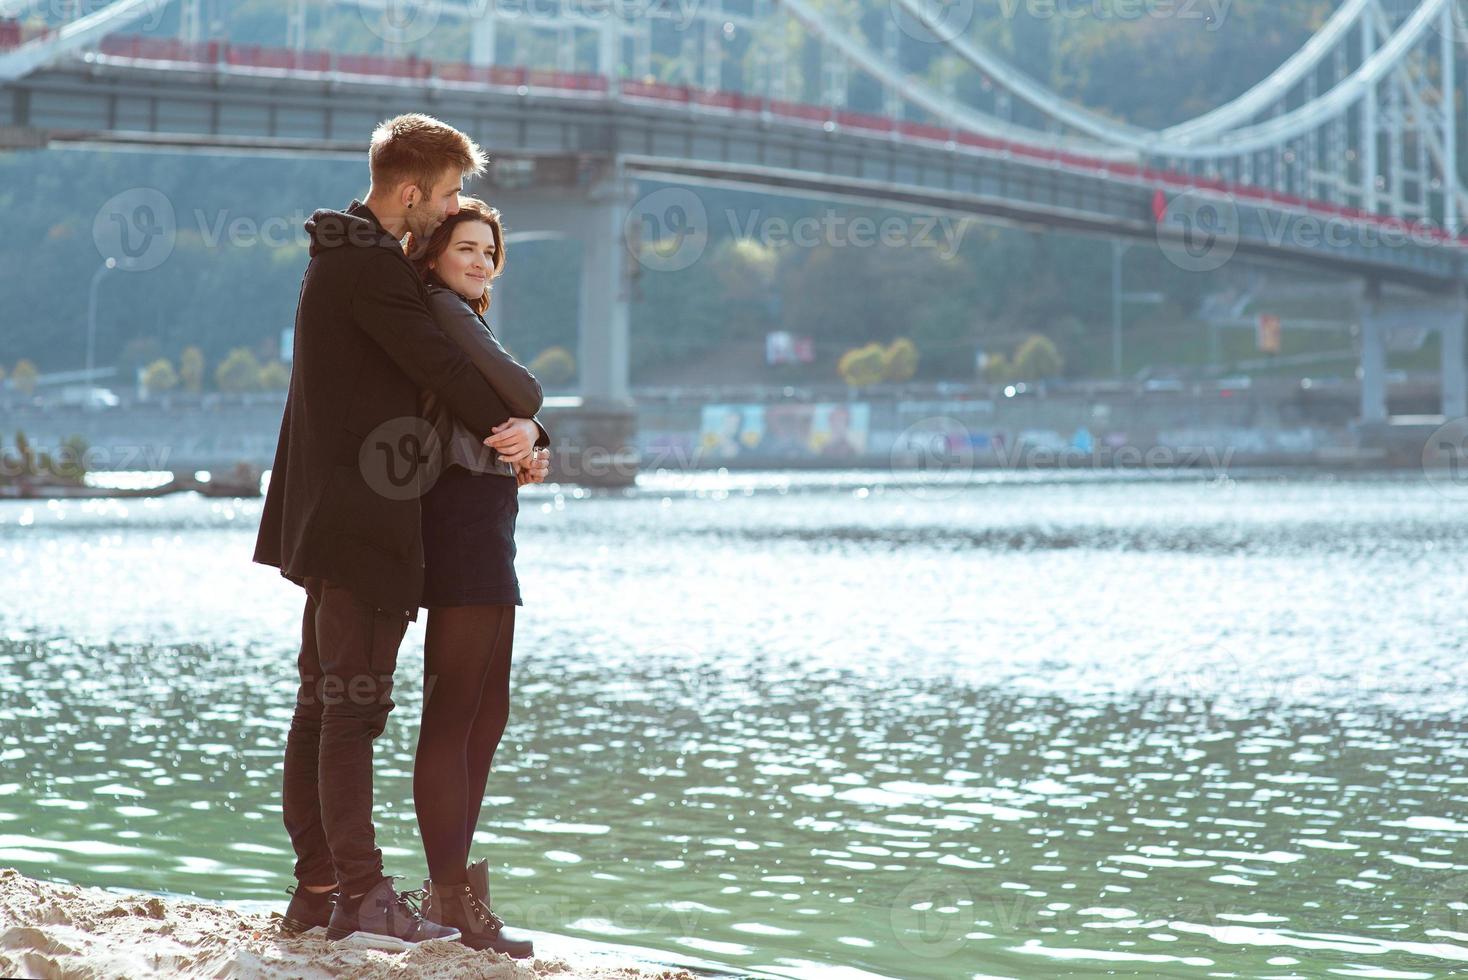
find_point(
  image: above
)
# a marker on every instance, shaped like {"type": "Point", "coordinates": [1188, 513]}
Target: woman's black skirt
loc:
{"type": "Point", "coordinates": [469, 539]}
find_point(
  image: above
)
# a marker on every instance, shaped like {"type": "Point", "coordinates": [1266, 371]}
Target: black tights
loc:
{"type": "Point", "coordinates": [466, 667]}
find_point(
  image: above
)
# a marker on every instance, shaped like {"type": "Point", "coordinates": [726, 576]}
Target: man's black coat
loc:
{"type": "Point", "coordinates": [342, 506]}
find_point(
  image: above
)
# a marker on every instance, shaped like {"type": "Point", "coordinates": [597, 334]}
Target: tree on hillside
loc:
{"type": "Point", "coordinates": [861, 366]}
{"type": "Point", "coordinates": [23, 378]}
{"type": "Point", "coordinates": [159, 377]}
{"type": "Point", "coordinates": [240, 371]}
{"type": "Point", "coordinates": [1037, 358]}
{"type": "Point", "coordinates": [554, 366]}
{"type": "Point", "coordinates": [191, 369]}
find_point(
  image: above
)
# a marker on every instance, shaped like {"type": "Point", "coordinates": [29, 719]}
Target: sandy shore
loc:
{"type": "Point", "coordinates": [57, 930]}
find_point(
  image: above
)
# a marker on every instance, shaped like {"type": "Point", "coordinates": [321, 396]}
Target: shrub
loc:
{"type": "Point", "coordinates": [159, 377]}
{"type": "Point", "coordinates": [900, 360]}
{"type": "Point", "coordinates": [240, 371]}
{"type": "Point", "coordinates": [554, 366]}
{"type": "Point", "coordinates": [862, 366]}
{"type": "Point", "coordinates": [191, 369]}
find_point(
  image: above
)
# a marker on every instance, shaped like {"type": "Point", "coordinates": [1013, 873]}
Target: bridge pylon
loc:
{"type": "Point", "coordinates": [585, 200]}
{"type": "Point", "coordinates": [1445, 314]}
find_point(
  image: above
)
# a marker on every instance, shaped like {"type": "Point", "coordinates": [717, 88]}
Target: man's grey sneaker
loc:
{"type": "Point", "coordinates": [380, 918]}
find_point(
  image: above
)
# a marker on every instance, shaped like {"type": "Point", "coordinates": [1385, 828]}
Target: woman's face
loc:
{"type": "Point", "coordinates": [467, 264]}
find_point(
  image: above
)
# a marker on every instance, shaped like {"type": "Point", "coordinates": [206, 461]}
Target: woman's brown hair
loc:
{"type": "Point", "coordinates": [470, 209]}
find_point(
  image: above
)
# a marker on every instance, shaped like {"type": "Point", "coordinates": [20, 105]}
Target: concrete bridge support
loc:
{"type": "Point", "coordinates": [1446, 315]}
{"type": "Point", "coordinates": [586, 202]}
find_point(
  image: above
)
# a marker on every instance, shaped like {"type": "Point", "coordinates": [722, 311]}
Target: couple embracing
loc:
{"type": "Point", "coordinates": [407, 433]}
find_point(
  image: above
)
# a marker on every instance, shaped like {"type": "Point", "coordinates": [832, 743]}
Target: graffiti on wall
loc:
{"type": "Point", "coordinates": [829, 430]}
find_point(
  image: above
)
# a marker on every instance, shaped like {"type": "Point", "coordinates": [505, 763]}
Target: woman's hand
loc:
{"type": "Point", "coordinates": [513, 438]}
{"type": "Point", "coordinates": [534, 469]}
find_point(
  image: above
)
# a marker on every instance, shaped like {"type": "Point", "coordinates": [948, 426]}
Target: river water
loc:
{"type": "Point", "coordinates": [835, 724]}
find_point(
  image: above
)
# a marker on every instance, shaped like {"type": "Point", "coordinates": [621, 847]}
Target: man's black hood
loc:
{"type": "Point", "coordinates": [356, 226]}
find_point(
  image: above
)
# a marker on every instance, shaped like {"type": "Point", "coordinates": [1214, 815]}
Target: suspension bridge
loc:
{"type": "Point", "coordinates": [1344, 158]}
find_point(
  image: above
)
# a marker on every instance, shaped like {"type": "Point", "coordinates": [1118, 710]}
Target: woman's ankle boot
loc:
{"type": "Point", "coordinates": [459, 908]}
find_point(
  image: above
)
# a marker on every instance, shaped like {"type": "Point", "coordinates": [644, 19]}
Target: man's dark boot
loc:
{"type": "Point", "coordinates": [380, 918]}
{"type": "Point", "coordinates": [458, 907]}
{"type": "Point", "coordinates": [308, 912]}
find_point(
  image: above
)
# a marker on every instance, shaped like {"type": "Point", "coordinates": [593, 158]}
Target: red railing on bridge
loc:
{"type": "Point", "coordinates": [13, 33]}
{"type": "Point", "coordinates": [259, 57]}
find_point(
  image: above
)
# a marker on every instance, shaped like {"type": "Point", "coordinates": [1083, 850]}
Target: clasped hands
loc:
{"type": "Point", "coordinates": [514, 440]}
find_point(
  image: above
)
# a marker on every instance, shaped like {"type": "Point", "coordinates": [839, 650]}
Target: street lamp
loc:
{"type": "Point", "coordinates": [1119, 248]}
{"type": "Point", "coordinates": [102, 270]}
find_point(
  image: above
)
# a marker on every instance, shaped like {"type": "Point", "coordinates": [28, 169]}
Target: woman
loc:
{"type": "Point", "coordinates": [470, 588]}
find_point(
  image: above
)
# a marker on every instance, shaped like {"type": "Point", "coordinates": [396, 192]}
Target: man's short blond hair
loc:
{"type": "Point", "coordinates": [419, 149]}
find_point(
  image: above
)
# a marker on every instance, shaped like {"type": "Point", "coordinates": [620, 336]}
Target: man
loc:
{"type": "Point", "coordinates": [341, 514]}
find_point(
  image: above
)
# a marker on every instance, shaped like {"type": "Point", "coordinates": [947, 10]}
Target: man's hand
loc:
{"type": "Point", "coordinates": [514, 439]}
{"type": "Point", "coordinates": [534, 469]}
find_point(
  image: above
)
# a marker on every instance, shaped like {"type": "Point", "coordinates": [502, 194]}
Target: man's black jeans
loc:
{"type": "Point", "coordinates": [349, 650]}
